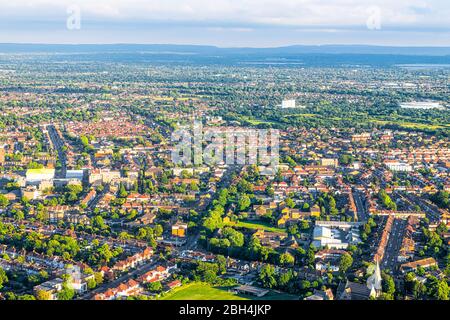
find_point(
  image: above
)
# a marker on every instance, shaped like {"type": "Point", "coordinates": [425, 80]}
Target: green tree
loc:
{"type": "Point", "coordinates": [437, 289]}
{"type": "Point", "coordinates": [43, 295]}
{"type": "Point", "coordinates": [84, 141]}
{"type": "Point", "coordinates": [91, 284]}
{"type": "Point", "coordinates": [222, 264]}
{"type": "Point", "coordinates": [122, 191]}
{"type": "Point", "coordinates": [243, 202]}
{"type": "Point", "coordinates": [345, 263]}
{"type": "Point", "coordinates": [3, 278]}
{"type": "Point", "coordinates": [287, 259]}
{"type": "Point", "coordinates": [98, 278]}
{"type": "Point", "coordinates": [236, 238]}
{"type": "Point", "coordinates": [267, 276]}
{"type": "Point", "coordinates": [305, 207]}
{"type": "Point", "coordinates": [67, 292]}
{"type": "Point", "coordinates": [4, 202]}
{"type": "Point", "coordinates": [290, 203]}
{"type": "Point", "coordinates": [155, 287]}
{"type": "Point", "coordinates": [388, 284]}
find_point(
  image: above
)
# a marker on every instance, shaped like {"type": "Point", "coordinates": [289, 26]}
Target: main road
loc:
{"type": "Point", "coordinates": [361, 208]}
{"type": "Point", "coordinates": [394, 244]}
{"type": "Point", "coordinates": [58, 145]}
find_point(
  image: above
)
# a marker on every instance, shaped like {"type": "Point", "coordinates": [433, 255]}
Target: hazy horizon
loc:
{"type": "Point", "coordinates": [221, 47]}
{"type": "Point", "coordinates": [227, 23]}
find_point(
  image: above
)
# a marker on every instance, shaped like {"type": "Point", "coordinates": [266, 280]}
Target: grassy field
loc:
{"type": "Point", "coordinates": [402, 121]}
{"type": "Point", "coordinates": [300, 115]}
{"type": "Point", "coordinates": [412, 125]}
{"type": "Point", "coordinates": [257, 225]}
{"type": "Point", "coordinates": [203, 291]}
{"type": "Point", "coordinates": [255, 122]}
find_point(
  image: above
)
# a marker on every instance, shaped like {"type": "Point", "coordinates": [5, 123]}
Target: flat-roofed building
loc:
{"type": "Point", "coordinates": [422, 105]}
{"type": "Point", "coordinates": [335, 236]}
{"type": "Point", "coordinates": [287, 104]}
{"type": "Point", "coordinates": [36, 176]}
{"type": "Point", "coordinates": [251, 290]}
{"type": "Point", "coordinates": [75, 174]}
{"type": "Point", "coordinates": [398, 166]}
{"type": "Point", "coordinates": [329, 162]}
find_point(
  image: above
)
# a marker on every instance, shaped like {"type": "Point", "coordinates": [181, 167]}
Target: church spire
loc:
{"type": "Point", "coordinates": [374, 281]}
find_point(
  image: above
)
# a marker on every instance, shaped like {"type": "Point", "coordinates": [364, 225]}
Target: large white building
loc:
{"type": "Point", "coordinates": [75, 174]}
{"type": "Point", "coordinates": [36, 176]}
{"type": "Point", "coordinates": [288, 104]}
{"type": "Point", "coordinates": [398, 166]}
{"type": "Point", "coordinates": [335, 237]}
{"type": "Point", "coordinates": [103, 176]}
{"type": "Point", "coordinates": [422, 105]}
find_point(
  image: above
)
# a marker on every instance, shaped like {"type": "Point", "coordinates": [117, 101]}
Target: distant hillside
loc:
{"type": "Point", "coordinates": [194, 49]}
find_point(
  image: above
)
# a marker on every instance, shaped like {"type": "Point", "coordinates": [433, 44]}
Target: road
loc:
{"type": "Point", "coordinates": [98, 196]}
{"type": "Point", "coordinates": [431, 210]}
{"type": "Point", "coordinates": [394, 244]}
{"type": "Point", "coordinates": [192, 241]}
{"type": "Point", "coordinates": [362, 212]}
{"type": "Point", "coordinates": [58, 145]}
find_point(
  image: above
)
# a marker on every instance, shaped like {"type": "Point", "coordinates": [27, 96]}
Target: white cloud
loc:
{"type": "Point", "coordinates": [222, 29]}
{"type": "Point", "coordinates": [239, 13]}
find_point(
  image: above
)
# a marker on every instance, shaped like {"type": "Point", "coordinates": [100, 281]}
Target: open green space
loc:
{"type": "Point", "coordinates": [201, 291]}
{"type": "Point", "coordinates": [411, 125]}
{"type": "Point", "coordinates": [256, 225]}
{"type": "Point", "coordinates": [204, 291]}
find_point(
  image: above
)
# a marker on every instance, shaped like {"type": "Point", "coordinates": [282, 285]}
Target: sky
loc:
{"type": "Point", "coordinates": [227, 23]}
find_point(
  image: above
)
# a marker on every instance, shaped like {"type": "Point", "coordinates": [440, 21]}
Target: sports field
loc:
{"type": "Point", "coordinates": [204, 291]}
{"type": "Point", "coordinates": [201, 291]}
